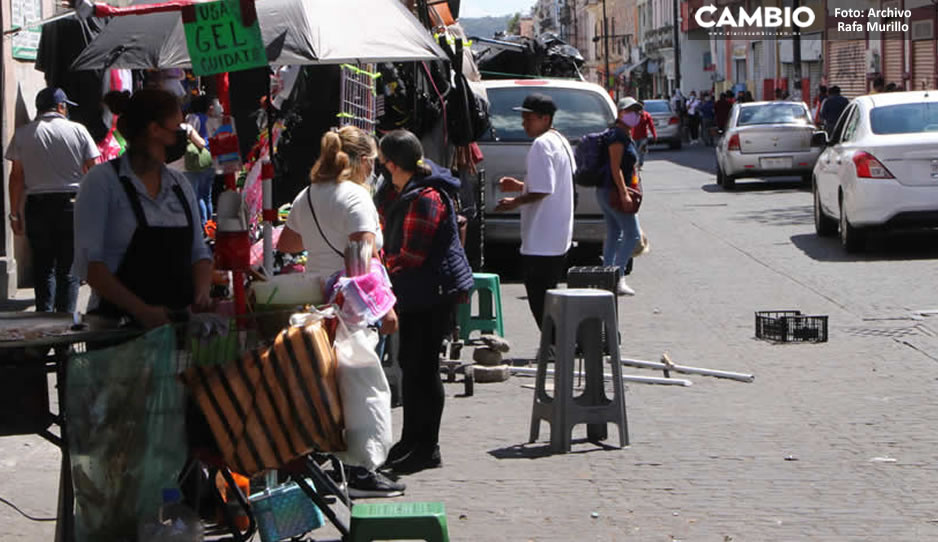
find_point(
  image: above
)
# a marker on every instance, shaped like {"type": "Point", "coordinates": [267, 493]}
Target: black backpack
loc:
{"type": "Point", "coordinates": [592, 160]}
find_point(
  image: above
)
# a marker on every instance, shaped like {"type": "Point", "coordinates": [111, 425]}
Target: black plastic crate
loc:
{"type": "Point", "coordinates": [602, 278]}
{"type": "Point", "coordinates": [791, 327]}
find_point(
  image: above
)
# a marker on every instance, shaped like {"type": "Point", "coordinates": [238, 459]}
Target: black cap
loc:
{"type": "Point", "coordinates": [50, 97]}
{"type": "Point", "coordinates": [541, 104]}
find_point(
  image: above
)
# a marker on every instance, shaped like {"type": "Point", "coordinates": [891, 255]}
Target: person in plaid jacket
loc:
{"type": "Point", "coordinates": [430, 274]}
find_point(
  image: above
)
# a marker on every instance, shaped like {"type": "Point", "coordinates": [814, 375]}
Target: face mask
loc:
{"type": "Point", "coordinates": [178, 149]}
{"type": "Point", "coordinates": [630, 119]}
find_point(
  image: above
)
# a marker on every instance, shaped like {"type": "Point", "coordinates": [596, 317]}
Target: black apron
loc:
{"type": "Point", "coordinates": [157, 266]}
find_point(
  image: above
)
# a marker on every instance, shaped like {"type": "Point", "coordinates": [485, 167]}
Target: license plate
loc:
{"type": "Point", "coordinates": [775, 163]}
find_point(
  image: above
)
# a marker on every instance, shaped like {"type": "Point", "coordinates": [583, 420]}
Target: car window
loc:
{"type": "Point", "coordinates": [579, 112]}
{"type": "Point", "coordinates": [657, 107]}
{"type": "Point", "coordinates": [850, 126]}
{"type": "Point", "coordinates": [911, 118]}
{"type": "Point", "coordinates": [773, 113]}
{"type": "Point", "coordinates": [839, 127]}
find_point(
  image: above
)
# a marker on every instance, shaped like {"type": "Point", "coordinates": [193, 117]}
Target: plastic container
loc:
{"type": "Point", "coordinates": [790, 326]}
{"type": "Point", "coordinates": [289, 289]}
{"type": "Point", "coordinates": [176, 522]}
{"type": "Point", "coordinates": [284, 512]}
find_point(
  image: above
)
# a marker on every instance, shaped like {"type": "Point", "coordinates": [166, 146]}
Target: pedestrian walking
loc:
{"type": "Point", "coordinates": [137, 240]}
{"type": "Point", "coordinates": [202, 180]}
{"type": "Point", "coordinates": [707, 116]}
{"type": "Point", "coordinates": [50, 156]}
{"type": "Point", "coordinates": [646, 124]}
{"type": "Point", "coordinates": [818, 103]}
{"type": "Point", "coordinates": [721, 110]}
{"type": "Point", "coordinates": [622, 228]}
{"type": "Point", "coordinates": [335, 209]}
{"type": "Point", "coordinates": [693, 118]}
{"type": "Point", "coordinates": [545, 203]}
{"type": "Point", "coordinates": [430, 274]}
{"type": "Point", "coordinates": [833, 106]}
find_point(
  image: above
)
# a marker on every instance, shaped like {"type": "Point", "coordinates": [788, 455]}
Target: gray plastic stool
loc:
{"type": "Point", "coordinates": [564, 312]}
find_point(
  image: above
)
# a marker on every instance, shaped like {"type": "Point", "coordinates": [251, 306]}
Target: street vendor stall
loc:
{"type": "Point", "coordinates": [294, 32]}
{"type": "Point", "coordinates": [152, 35]}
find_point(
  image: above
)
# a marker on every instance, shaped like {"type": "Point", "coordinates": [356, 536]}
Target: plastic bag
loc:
{"type": "Point", "coordinates": [364, 299]}
{"type": "Point", "coordinates": [127, 441]}
{"type": "Point", "coordinates": [366, 397]}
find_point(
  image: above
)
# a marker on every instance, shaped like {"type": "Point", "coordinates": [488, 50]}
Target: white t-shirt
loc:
{"type": "Point", "coordinates": [342, 208]}
{"type": "Point", "coordinates": [547, 224]}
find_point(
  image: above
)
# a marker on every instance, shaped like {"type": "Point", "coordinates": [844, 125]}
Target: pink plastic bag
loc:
{"type": "Point", "coordinates": [365, 298]}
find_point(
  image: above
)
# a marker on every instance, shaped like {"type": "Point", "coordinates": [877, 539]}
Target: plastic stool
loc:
{"type": "Point", "coordinates": [564, 312]}
{"type": "Point", "coordinates": [488, 286]}
{"type": "Point", "coordinates": [399, 521]}
{"type": "Point", "coordinates": [602, 277]}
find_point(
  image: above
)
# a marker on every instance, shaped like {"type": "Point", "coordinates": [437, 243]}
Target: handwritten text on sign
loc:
{"type": "Point", "coordinates": [218, 39]}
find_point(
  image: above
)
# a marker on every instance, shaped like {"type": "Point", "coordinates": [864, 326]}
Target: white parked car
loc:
{"type": "Point", "coordinates": [880, 168]}
{"type": "Point", "coordinates": [767, 139]}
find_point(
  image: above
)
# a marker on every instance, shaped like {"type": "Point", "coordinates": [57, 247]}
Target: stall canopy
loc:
{"type": "Point", "coordinates": [295, 32]}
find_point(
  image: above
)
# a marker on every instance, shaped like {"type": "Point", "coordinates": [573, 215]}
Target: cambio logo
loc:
{"type": "Point", "coordinates": [802, 17]}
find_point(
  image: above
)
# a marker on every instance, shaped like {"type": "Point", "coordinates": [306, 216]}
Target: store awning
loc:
{"type": "Point", "coordinates": [627, 69]}
{"type": "Point", "coordinates": [294, 32]}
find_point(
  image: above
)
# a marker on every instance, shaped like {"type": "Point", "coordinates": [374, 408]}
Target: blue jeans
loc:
{"type": "Point", "coordinates": [50, 232]}
{"type": "Point", "coordinates": [642, 151]}
{"type": "Point", "coordinates": [622, 232]}
{"type": "Point", "coordinates": [201, 182]}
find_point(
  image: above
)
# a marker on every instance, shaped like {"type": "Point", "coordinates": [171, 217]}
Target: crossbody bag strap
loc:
{"type": "Point", "coordinates": [309, 200]}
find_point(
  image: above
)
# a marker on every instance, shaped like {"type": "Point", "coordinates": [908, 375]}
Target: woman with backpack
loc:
{"type": "Point", "coordinates": [617, 196]}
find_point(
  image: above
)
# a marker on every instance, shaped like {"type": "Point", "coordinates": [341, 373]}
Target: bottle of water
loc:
{"type": "Point", "coordinates": [176, 523]}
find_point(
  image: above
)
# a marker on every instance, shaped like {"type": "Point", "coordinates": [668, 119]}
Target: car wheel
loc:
{"type": "Point", "coordinates": [729, 182]}
{"type": "Point", "coordinates": [850, 237]}
{"type": "Point", "coordinates": [674, 145]}
{"type": "Point", "coordinates": [824, 225]}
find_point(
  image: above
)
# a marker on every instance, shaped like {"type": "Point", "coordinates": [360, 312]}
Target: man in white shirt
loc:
{"type": "Point", "coordinates": [546, 201]}
{"type": "Point", "coordinates": [50, 156]}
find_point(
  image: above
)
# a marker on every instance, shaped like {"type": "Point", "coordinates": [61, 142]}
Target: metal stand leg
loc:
{"type": "Point", "coordinates": [65, 524]}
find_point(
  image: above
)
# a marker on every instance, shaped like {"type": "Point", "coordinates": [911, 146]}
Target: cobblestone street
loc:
{"type": "Point", "coordinates": [832, 442]}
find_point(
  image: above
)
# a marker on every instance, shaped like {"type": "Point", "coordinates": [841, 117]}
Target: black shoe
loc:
{"type": "Point", "coordinates": [419, 459]}
{"type": "Point", "coordinates": [397, 452]}
{"type": "Point", "coordinates": [364, 483]}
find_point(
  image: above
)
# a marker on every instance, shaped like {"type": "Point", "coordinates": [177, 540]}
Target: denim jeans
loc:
{"type": "Point", "coordinates": [201, 182]}
{"type": "Point", "coordinates": [50, 232]}
{"type": "Point", "coordinates": [641, 145]}
{"type": "Point", "coordinates": [622, 232]}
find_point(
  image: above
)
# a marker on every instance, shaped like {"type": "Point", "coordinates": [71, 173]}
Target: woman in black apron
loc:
{"type": "Point", "coordinates": [137, 226]}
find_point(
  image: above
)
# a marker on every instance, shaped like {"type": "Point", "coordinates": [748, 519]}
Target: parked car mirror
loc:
{"type": "Point", "coordinates": [819, 139]}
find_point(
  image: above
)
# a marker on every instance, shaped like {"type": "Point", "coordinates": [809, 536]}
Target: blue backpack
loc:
{"type": "Point", "coordinates": [592, 158]}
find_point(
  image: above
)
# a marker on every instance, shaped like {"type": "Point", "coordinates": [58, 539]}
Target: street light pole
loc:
{"type": "Point", "coordinates": [677, 45]}
{"type": "Point", "coordinates": [606, 76]}
{"type": "Point", "coordinates": [796, 57]}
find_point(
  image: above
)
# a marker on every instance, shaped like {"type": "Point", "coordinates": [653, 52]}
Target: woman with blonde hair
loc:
{"type": "Point", "coordinates": [334, 209]}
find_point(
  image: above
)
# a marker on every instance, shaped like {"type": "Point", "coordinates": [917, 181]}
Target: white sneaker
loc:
{"type": "Point", "coordinates": [623, 289]}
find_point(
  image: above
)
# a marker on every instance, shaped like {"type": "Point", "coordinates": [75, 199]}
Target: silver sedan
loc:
{"type": "Point", "coordinates": [767, 139]}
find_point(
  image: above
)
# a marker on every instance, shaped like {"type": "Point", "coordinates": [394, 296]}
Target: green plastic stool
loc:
{"type": "Point", "coordinates": [489, 289]}
{"type": "Point", "coordinates": [399, 521]}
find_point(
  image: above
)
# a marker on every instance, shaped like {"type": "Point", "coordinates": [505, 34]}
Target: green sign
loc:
{"type": "Point", "coordinates": [219, 40]}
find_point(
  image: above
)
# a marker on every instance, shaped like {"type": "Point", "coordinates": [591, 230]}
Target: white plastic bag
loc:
{"type": "Point", "coordinates": [366, 397]}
